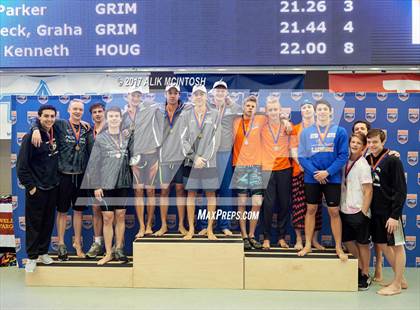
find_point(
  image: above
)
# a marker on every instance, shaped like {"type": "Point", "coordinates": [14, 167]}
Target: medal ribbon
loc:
{"type": "Point", "coordinates": [379, 160]}
{"type": "Point", "coordinates": [76, 133]}
{"type": "Point", "coordinates": [119, 146]}
{"type": "Point", "coordinates": [323, 135]}
{"type": "Point", "coordinates": [200, 125]}
{"type": "Point", "coordinates": [277, 137]}
{"type": "Point", "coordinates": [348, 168]}
{"type": "Point", "coordinates": [246, 133]}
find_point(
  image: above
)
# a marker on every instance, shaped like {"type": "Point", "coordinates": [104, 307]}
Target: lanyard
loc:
{"type": "Point", "coordinates": [246, 133]}
{"type": "Point", "coordinates": [76, 133]}
{"type": "Point", "coordinates": [275, 138]}
{"type": "Point", "coordinates": [200, 125]}
{"type": "Point", "coordinates": [348, 169]}
{"type": "Point", "coordinates": [378, 162]}
{"type": "Point", "coordinates": [323, 135]}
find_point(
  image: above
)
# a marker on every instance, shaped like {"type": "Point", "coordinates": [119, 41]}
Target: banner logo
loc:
{"type": "Point", "coordinates": [338, 96]}
{"type": "Point", "coordinates": [417, 262]}
{"type": "Point", "coordinates": [296, 95]}
{"type": "Point", "coordinates": [54, 243]}
{"type": "Point", "coordinates": [276, 94]}
{"type": "Point", "coordinates": [418, 221]}
{"type": "Point", "coordinates": [18, 244]}
{"type": "Point", "coordinates": [13, 158]}
{"type": "Point", "coordinates": [21, 99]}
{"type": "Point", "coordinates": [107, 98]}
{"type": "Point", "coordinates": [326, 240]}
{"type": "Point", "coordinates": [42, 99]}
{"type": "Point", "coordinates": [64, 99]}
{"type": "Point", "coordinates": [349, 114]}
{"type": "Point", "coordinates": [22, 223]}
{"type": "Point", "coordinates": [31, 117]}
{"type": "Point", "coordinates": [392, 115]}
{"type": "Point", "coordinates": [14, 202]}
{"type": "Point", "coordinates": [317, 95]}
{"type": "Point", "coordinates": [68, 222]}
{"type": "Point", "coordinates": [171, 221]}
{"type": "Point", "coordinates": [85, 98]}
{"type": "Point", "coordinates": [418, 178]}
{"type": "Point", "coordinates": [19, 137]}
{"type": "Point", "coordinates": [412, 158]}
{"type": "Point", "coordinates": [403, 96]}
{"type": "Point", "coordinates": [360, 96]}
{"type": "Point", "coordinates": [129, 221]}
{"type": "Point", "coordinates": [402, 136]}
{"type": "Point", "coordinates": [13, 117]}
{"type": "Point", "coordinates": [370, 114]}
{"type": "Point", "coordinates": [87, 221]}
{"type": "Point", "coordinates": [382, 96]}
{"type": "Point", "coordinates": [411, 200]}
{"type": "Point", "coordinates": [404, 220]}
{"type": "Point", "coordinates": [413, 115]}
{"type": "Point", "coordinates": [410, 242]}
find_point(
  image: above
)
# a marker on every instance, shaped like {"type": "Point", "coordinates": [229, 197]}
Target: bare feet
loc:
{"type": "Point", "coordinates": [317, 245]}
{"type": "Point", "coordinates": [202, 232]}
{"type": "Point", "coordinates": [283, 244]}
{"type": "Point", "coordinates": [390, 290]}
{"type": "Point", "coordinates": [378, 275]}
{"type": "Point", "coordinates": [341, 255]}
{"type": "Point", "coordinates": [404, 284]}
{"type": "Point", "coordinates": [163, 230]}
{"type": "Point", "coordinates": [79, 250]}
{"type": "Point", "coordinates": [227, 232]}
{"type": "Point", "coordinates": [266, 244]}
{"type": "Point", "coordinates": [107, 258]}
{"type": "Point", "coordinates": [211, 235]}
{"type": "Point", "coordinates": [140, 234]}
{"type": "Point", "coordinates": [148, 231]}
{"type": "Point", "coordinates": [298, 245]}
{"type": "Point", "coordinates": [304, 251]}
{"type": "Point", "coordinates": [189, 235]}
{"type": "Point", "coordinates": [182, 230]}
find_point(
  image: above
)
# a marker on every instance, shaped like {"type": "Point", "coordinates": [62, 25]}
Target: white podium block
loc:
{"type": "Point", "coordinates": [171, 262]}
{"type": "Point", "coordinates": [282, 269]}
{"type": "Point", "coordinates": [82, 272]}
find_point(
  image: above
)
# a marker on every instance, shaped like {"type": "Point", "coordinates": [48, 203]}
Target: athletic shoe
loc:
{"type": "Point", "coordinates": [30, 265]}
{"type": "Point", "coordinates": [247, 245]}
{"type": "Point", "coordinates": [95, 250]}
{"type": "Point", "coordinates": [45, 259]}
{"type": "Point", "coordinates": [120, 256]}
{"type": "Point", "coordinates": [365, 282]}
{"type": "Point", "coordinates": [62, 252]}
{"type": "Point", "coordinates": [255, 244]}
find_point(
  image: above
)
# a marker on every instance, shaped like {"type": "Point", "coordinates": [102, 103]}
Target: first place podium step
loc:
{"type": "Point", "coordinates": [172, 262]}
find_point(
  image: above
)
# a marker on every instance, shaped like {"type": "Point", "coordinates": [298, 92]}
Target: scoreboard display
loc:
{"type": "Point", "coordinates": [208, 33]}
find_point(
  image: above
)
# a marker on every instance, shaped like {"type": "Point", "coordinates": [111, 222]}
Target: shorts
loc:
{"type": "Point", "coordinates": [380, 234]}
{"type": "Point", "coordinates": [205, 179]}
{"type": "Point", "coordinates": [331, 191]}
{"type": "Point", "coordinates": [68, 192]}
{"type": "Point", "coordinates": [142, 173]}
{"type": "Point", "coordinates": [171, 173]}
{"type": "Point", "coordinates": [113, 199]}
{"type": "Point", "coordinates": [248, 179]}
{"type": "Point", "coordinates": [356, 227]}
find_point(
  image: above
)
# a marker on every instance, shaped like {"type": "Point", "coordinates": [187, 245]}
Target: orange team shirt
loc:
{"type": "Point", "coordinates": [276, 156]}
{"type": "Point", "coordinates": [247, 154]}
{"type": "Point", "coordinates": [297, 129]}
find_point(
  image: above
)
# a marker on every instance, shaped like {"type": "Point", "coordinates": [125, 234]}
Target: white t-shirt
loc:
{"type": "Point", "coordinates": [352, 192]}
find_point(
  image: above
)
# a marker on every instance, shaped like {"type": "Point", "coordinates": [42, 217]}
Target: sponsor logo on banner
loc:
{"type": "Point", "coordinates": [326, 240]}
{"type": "Point", "coordinates": [87, 221]}
{"type": "Point", "coordinates": [54, 243]}
{"type": "Point", "coordinates": [42, 99]}
{"type": "Point", "coordinates": [411, 200]}
{"type": "Point", "coordinates": [85, 98]}
{"type": "Point", "coordinates": [129, 221]}
{"type": "Point", "coordinates": [412, 158]}
{"type": "Point", "coordinates": [13, 117]}
{"type": "Point", "coordinates": [317, 95]}
{"type": "Point", "coordinates": [31, 116]}
{"type": "Point", "coordinates": [349, 114]}
{"type": "Point", "coordinates": [360, 96]}
{"type": "Point", "coordinates": [14, 202]}
{"type": "Point", "coordinates": [13, 158]}
{"type": "Point", "coordinates": [20, 184]}
{"type": "Point", "coordinates": [402, 136]}
{"type": "Point", "coordinates": [403, 96]}
{"type": "Point", "coordinates": [236, 97]}
{"type": "Point", "coordinates": [107, 98]}
{"type": "Point", "coordinates": [171, 221]}
{"type": "Point", "coordinates": [370, 114]}
{"type": "Point", "coordinates": [418, 221]}
{"type": "Point", "coordinates": [19, 137]}
{"type": "Point", "coordinates": [410, 242]}
{"type": "Point", "coordinates": [22, 223]}
{"type": "Point", "coordinates": [64, 99]}
{"type": "Point", "coordinates": [296, 95]}
{"type": "Point", "coordinates": [382, 96]}
{"type": "Point", "coordinates": [413, 115]}
{"type": "Point", "coordinates": [21, 99]}
{"type": "Point", "coordinates": [18, 244]}
{"type": "Point", "coordinates": [404, 220]}
{"type": "Point", "coordinates": [276, 94]}
{"type": "Point", "coordinates": [286, 112]}
{"type": "Point", "coordinates": [417, 261]}
{"type": "Point", "coordinates": [392, 115]}
{"type": "Point", "coordinates": [338, 96]}
{"type": "Point", "coordinates": [418, 178]}
{"type": "Point", "coordinates": [68, 222]}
